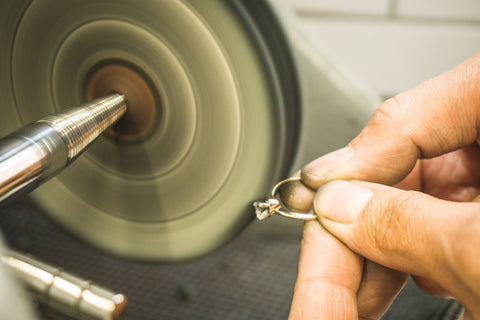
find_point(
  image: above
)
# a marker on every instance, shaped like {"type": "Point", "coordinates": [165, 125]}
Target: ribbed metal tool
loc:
{"type": "Point", "coordinates": [39, 151]}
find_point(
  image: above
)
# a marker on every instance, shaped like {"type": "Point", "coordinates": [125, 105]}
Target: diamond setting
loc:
{"type": "Point", "coordinates": [265, 209]}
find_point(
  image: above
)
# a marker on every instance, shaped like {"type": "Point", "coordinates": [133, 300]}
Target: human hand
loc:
{"type": "Point", "coordinates": [371, 235]}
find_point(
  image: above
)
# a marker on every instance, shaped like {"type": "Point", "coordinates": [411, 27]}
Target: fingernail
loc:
{"type": "Point", "coordinates": [323, 165]}
{"type": "Point", "coordinates": [341, 201]}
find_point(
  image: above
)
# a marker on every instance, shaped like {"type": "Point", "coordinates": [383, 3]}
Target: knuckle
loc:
{"type": "Point", "coordinates": [388, 219]}
{"type": "Point", "coordinates": [393, 116]}
{"type": "Point", "coordinates": [388, 112]}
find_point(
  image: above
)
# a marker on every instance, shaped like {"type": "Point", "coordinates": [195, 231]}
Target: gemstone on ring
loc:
{"type": "Point", "coordinates": [264, 209]}
{"type": "Point", "coordinates": [272, 204]}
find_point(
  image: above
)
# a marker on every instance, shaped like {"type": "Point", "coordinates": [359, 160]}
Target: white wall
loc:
{"type": "Point", "coordinates": [394, 44]}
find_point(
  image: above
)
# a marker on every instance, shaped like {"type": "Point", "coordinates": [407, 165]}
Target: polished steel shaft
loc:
{"type": "Point", "coordinates": [75, 296]}
{"type": "Point", "coordinates": [40, 150]}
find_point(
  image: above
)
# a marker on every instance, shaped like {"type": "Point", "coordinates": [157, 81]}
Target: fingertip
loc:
{"type": "Point", "coordinates": [313, 174]}
{"type": "Point", "coordinates": [296, 196]}
{"type": "Point", "coordinates": [311, 180]}
{"type": "Point", "coordinates": [341, 201]}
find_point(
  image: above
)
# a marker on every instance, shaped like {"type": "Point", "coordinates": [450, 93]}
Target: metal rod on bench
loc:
{"type": "Point", "coordinates": [75, 296]}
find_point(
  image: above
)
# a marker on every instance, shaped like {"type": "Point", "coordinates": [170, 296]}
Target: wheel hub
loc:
{"type": "Point", "coordinates": [143, 106]}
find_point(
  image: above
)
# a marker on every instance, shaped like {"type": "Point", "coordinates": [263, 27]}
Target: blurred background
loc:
{"type": "Point", "coordinates": [393, 45]}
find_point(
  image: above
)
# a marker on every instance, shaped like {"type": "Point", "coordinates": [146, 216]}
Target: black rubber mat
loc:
{"type": "Point", "coordinates": [252, 277]}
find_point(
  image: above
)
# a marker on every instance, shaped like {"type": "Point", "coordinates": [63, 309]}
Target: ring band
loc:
{"type": "Point", "coordinates": [273, 204]}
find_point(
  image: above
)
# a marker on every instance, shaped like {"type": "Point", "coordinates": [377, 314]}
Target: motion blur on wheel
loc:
{"type": "Point", "coordinates": [221, 99]}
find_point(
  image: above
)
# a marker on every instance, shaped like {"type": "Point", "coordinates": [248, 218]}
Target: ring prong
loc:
{"type": "Point", "coordinates": [262, 210]}
{"type": "Point", "coordinates": [273, 205]}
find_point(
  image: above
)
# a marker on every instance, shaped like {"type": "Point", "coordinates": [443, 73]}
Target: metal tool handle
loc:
{"type": "Point", "coordinates": [75, 296]}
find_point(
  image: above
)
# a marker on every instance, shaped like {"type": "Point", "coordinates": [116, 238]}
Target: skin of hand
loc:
{"type": "Point", "coordinates": [399, 200]}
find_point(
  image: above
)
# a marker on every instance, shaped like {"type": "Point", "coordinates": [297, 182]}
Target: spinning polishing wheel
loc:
{"type": "Point", "coordinates": [212, 120]}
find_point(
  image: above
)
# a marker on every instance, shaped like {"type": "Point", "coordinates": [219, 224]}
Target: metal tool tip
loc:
{"type": "Point", "coordinates": [82, 125]}
{"type": "Point", "coordinates": [120, 301]}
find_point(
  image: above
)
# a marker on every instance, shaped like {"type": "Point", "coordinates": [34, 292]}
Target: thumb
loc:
{"type": "Point", "coordinates": [406, 231]}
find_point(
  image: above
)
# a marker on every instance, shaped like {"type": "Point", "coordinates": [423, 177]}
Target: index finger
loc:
{"type": "Point", "coordinates": [438, 116]}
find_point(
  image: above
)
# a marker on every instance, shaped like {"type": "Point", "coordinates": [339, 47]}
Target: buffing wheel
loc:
{"type": "Point", "coordinates": [205, 132]}
{"type": "Point", "coordinates": [116, 76]}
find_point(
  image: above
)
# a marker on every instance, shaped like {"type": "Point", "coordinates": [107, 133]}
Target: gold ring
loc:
{"type": "Point", "coordinates": [273, 204]}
